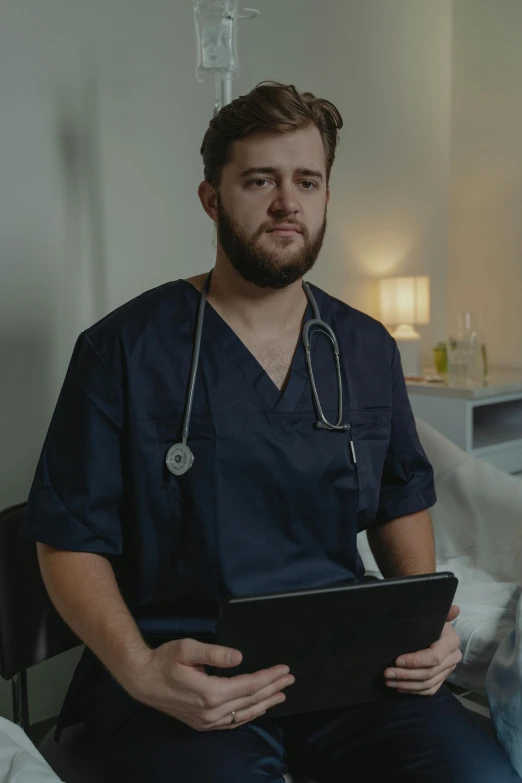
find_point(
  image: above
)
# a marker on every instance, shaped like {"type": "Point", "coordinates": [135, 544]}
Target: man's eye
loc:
{"type": "Point", "coordinates": [258, 182]}
{"type": "Point", "coordinates": [310, 185]}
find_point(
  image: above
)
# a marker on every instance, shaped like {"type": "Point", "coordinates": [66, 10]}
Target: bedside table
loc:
{"type": "Point", "coordinates": [484, 419]}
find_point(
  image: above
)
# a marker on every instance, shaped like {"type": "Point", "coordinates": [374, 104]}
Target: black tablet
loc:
{"type": "Point", "coordinates": [337, 641]}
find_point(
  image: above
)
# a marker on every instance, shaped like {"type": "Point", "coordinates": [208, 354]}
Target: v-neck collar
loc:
{"type": "Point", "coordinates": [220, 336]}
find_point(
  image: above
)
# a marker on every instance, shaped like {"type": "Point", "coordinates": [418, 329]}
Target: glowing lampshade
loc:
{"type": "Point", "coordinates": [405, 301]}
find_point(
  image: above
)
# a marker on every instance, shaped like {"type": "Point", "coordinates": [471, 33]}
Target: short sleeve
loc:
{"type": "Point", "coordinates": [75, 501]}
{"type": "Point", "coordinates": [407, 484]}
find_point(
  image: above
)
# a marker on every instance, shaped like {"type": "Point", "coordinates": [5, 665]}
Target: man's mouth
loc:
{"type": "Point", "coordinates": [285, 229]}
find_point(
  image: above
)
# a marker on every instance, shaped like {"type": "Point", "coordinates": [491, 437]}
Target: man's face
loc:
{"type": "Point", "coordinates": [271, 206]}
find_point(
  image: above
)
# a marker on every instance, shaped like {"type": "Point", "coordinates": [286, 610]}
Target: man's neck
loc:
{"type": "Point", "coordinates": [265, 312]}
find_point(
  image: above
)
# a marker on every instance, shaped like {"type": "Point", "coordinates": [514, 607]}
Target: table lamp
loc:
{"type": "Point", "coordinates": [405, 302]}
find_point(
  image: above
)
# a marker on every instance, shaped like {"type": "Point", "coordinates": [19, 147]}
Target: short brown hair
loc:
{"type": "Point", "coordinates": [270, 107]}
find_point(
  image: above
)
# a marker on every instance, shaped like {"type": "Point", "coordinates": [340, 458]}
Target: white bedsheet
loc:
{"type": "Point", "coordinates": [20, 762]}
{"type": "Point", "coordinates": [487, 615]}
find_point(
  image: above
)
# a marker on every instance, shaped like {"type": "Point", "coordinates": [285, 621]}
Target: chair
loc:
{"type": "Point", "coordinates": [31, 631]}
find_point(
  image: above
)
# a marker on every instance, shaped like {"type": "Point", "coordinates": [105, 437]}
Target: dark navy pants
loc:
{"type": "Point", "coordinates": [414, 738]}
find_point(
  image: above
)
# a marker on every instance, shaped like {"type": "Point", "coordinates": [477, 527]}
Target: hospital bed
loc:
{"type": "Point", "coordinates": [478, 537]}
{"type": "Point", "coordinates": [477, 522]}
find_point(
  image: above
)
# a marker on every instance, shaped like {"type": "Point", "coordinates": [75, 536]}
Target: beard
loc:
{"type": "Point", "coordinates": [267, 268]}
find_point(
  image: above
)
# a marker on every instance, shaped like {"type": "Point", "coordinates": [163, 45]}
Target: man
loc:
{"type": "Point", "coordinates": [136, 558]}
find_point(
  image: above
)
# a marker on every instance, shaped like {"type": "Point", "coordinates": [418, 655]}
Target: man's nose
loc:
{"type": "Point", "coordinates": [286, 200]}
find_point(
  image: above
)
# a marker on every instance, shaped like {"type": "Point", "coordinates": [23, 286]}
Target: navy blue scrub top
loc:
{"type": "Point", "coordinates": [270, 503]}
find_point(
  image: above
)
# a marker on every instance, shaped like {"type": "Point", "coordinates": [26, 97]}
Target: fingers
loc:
{"type": "Point", "coordinates": [242, 686]}
{"type": "Point", "coordinates": [249, 713]}
{"type": "Point", "coordinates": [434, 656]}
{"type": "Point", "coordinates": [215, 698]}
{"type": "Point", "coordinates": [219, 696]}
{"type": "Point", "coordinates": [194, 653]}
{"type": "Point", "coordinates": [214, 710]}
{"type": "Point", "coordinates": [426, 687]}
{"type": "Point", "coordinates": [423, 674]}
{"type": "Point", "coordinates": [425, 659]}
{"type": "Point", "coordinates": [253, 705]}
{"type": "Point", "coordinates": [453, 613]}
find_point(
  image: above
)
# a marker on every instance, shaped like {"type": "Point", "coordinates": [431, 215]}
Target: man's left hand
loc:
{"type": "Point", "coordinates": [424, 672]}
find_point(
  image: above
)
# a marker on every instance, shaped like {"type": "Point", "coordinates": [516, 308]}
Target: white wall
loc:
{"type": "Point", "coordinates": [485, 248]}
{"type": "Point", "coordinates": [100, 130]}
{"type": "Point", "coordinates": [387, 65]}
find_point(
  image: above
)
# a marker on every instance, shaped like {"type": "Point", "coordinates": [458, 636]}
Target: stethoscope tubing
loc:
{"type": "Point", "coordinates": [195, 359]}
{"type": "Point", "coordinates": [315, 324]}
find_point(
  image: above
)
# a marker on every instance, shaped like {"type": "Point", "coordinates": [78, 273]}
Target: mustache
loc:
{"type": "Point", "coordinates": [272, 225]}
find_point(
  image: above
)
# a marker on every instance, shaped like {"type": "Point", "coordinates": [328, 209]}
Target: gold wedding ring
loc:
{"type": "Point", "coordinates": [233, 716]}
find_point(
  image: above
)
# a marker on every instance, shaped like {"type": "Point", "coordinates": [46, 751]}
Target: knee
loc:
{"type": "Point", "coordinates": [499, 770]}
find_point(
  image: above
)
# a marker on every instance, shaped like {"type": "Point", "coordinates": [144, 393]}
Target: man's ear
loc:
{"type": "Point", "coordinates": [208, 197]}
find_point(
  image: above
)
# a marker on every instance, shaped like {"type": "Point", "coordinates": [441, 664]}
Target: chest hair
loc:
{"type": "Point", "coordinates": [275, 357]}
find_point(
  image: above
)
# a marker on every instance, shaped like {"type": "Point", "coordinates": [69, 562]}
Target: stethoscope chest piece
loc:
{"type": "Point", "coordinates": [179, 459]}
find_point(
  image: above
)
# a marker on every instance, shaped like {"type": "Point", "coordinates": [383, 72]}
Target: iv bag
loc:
{"type": "Point", "coordinates": [216, 34]}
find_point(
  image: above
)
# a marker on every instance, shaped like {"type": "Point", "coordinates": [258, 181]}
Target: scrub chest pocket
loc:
{"type": "Point", "coordinates": [371, 435]}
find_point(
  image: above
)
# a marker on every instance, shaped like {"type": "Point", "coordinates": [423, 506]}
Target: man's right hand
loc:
{"type": "Point", "coordinates": [172, 679]}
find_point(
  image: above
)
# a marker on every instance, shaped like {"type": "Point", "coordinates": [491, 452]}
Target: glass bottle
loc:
{"type": "Point", "coordinates": [467, 358]}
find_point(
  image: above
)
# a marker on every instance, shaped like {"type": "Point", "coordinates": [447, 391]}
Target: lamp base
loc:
{"type": "Point", "coordinates": [409, 343]}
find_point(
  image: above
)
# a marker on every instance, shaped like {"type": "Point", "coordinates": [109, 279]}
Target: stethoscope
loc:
{"type": "Point", "coordinates": [180, 457]}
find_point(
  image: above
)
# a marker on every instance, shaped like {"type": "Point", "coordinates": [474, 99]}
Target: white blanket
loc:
{"type": "Point", "coordinates": [20, 762]}
{"type": "Point", "coordinates": [504, 689]}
